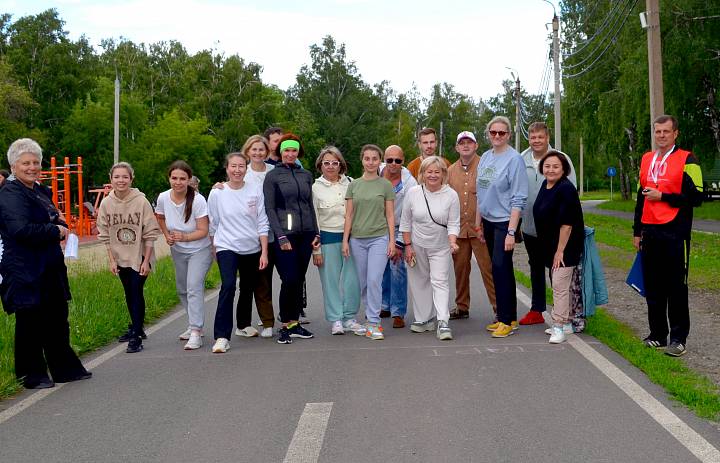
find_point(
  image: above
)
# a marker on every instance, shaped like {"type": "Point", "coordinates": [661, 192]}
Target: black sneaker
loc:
{"type": "Point", "coordinates": [653, 344]}
{"type": "Point", "coordinates": [298, 331]}
{"type": "Point", "coordinates": [134, 345]}
{"type": "Point", "coordinates": [284, 336]}
{"type": "Point", "coordinates": [128, 335]}
{"type": "Point", "coordinates": [675, 349]}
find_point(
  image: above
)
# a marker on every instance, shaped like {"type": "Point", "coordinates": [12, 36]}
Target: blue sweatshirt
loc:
{"type": "Point", "coordinates": [502, 185]}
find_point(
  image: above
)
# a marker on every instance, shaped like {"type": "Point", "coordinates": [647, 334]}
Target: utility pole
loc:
{"type": "Point", "coordinates": [518, 118]}
{"type": "Point", "coordinates": [116, 140]}
{"type": "Point", "coordinates": [442, 136]}
{"type": "Point", "coordinates": [657, 100]}
{"type": "Point", "coordinates": [556, 65]}
{"type": "Point", "coordinates": [582, 168]}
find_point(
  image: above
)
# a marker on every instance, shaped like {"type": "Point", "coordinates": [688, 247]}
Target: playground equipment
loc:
{"type": "Point", "coordinates": [83, 222]}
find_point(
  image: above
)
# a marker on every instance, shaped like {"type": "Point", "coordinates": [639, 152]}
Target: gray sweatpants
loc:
{"type": "Point", "coordinates": [190, 272]}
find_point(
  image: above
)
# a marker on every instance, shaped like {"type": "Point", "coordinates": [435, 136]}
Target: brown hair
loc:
{"type": "Point", "coordinates": [563, 161]}
{"type": "Point", "coordinates": [371, 147]}
{"type": "Point", "coordinates": [664, 118]}
{"type": "Point", "coordinates": [427, 131]}
{"type": "Point", "coordinates": [190, 195]}
{"type": "Point", "coordinates": [539, 127]}
{"type": "Point", "coordinates": [290, 136]}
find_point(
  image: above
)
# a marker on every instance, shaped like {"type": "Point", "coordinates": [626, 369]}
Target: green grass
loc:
{"type": "Point", "coordinates": [695, 391]}
{"type": "Point", "coordinates": [599, 194]}
{"type": "Point", "coordinates": [98, 313]}
{"type": "Point", "coordinates": [708, 211]}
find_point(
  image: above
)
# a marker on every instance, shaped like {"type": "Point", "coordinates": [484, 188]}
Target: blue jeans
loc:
{"type": "Point", "coordinates": [394, 288]}
{"type": "Point", "coordinates": [502, 270]}
{"type": "Point", "coordinates": [370, 256]}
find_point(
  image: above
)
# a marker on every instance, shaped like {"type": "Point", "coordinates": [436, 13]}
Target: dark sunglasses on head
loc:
{"type": "Point", "coordinates": [331, 163]}
{"type": "Point", "coordinates": [395, 160]}
{"type": "Point", "coordinates": [495, 133]}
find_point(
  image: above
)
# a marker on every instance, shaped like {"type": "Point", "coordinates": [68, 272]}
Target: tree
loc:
{"type": "Point", "coordinates": [15, 104]}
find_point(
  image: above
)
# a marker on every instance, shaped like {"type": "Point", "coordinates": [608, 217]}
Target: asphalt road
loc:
{"type": "Point", "coordinates": [407, 398]}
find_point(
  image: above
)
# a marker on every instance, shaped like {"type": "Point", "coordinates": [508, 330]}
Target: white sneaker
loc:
{"type": "Point", "coordinates": [247, 332]}
{"type": "Point", "coordinates": [185, 335]}
{"type": "Point", "coordinates": [444, 333]}
{"type": "Point", "coordinates": [195, 342]}
{"type": "Point", "coordinates": [421, 327]}
{"type": "Point", "coordinates": [337, 328]}
{"type": "Point", "coordinates": [221, 346]}
{"type": "Point", "coordinates": [558, 335]}
{"type": "Point", "coordinates": [267, 332]}
{"type": "Point", "coordinates": [567, 329]}
{"type": "Point", "coordinates": [354, 326]}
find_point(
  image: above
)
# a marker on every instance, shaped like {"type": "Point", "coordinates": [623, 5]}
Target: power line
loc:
{"type": "Point", "coordinates": [590, 66]}
{"type": "Point", "coordinates": [599, 31]}
{"type": "Point", "coordinates": [614, 31]}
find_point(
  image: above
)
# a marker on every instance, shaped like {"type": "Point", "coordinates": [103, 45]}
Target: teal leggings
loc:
{"type": "Point", "coordinates": [341, 290]}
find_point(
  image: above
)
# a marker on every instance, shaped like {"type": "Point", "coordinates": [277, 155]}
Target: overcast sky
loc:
{"type": "Point", "coordinates": [468, 43]}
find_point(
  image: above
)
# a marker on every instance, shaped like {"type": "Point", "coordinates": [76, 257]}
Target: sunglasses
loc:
{"type": "Point", "coordinates": [497, 133]}
{"type": "Point", "coordinates": [331, 163]}
{"type": "Point", "coordinates": [395, 160]}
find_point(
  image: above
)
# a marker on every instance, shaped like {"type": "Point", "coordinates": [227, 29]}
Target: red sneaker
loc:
{"type": "Point", "coordinates": [532, 318]}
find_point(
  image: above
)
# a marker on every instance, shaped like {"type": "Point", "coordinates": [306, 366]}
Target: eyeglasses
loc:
{"type": "Point", "coordinates": [331, 163]}
{"type": "Point", "coordinates": [395, 160]}
{"type": "Point", "coordinates": [497, 133]}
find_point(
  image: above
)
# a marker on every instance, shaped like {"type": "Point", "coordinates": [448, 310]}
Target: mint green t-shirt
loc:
{"type": "Point", "coordinates": [368, 200]}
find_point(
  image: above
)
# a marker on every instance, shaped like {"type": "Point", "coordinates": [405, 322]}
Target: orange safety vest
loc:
{"type": "Point", "coordinates": [669, 180]}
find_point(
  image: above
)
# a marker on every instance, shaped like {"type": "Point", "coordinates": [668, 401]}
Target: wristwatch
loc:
{"type": "Point", "coordinates": [511, 231]}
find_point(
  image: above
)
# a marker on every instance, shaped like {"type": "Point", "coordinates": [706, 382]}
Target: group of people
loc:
{"type": "Point", "coordinates": [394, 231]}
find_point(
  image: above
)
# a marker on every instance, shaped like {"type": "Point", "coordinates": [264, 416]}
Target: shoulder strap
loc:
{"type": "Point", "coordinates": [428, 208]}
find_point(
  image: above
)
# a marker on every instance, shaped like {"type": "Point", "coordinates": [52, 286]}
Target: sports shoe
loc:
{"type": "Point", "coordinates": [354, 326]}
{"type": "Point", "coordinates": [444, 333]}
{"type": "Point", "coordinates": [567, 329]}
{"type": "Point", "coordinates": [532, 318]}
{"type": "Point", "coordinates": [221, 346]}
{"type": "Point", "coordinates": [195, 342]}
{"type": "Point", "coordinates": [457, 314]}
{"type": "Point", "coordinates": [247, 332]}
{"type": "Point", "coordinates": [185, 335]}
{"type": "Point", "coordinates": [266, 332]}
{"type": "Point", "coordinates": [134, 345]}
{"type": "Point", "coordinates": [297, 331]}
{"type": "Point", "coordinates": [303, 320]}
{"type": "Point", "coordinates": [653, 344]}
{"type": "Point", "coordinates": [558, 335]}
{"type": "Point", "coordinates": [374, 331]}
{"type": "Point", "coordinates": [398, 322]}
{"type": "Point", "coordinates": [421, 327]}
{"type": "Point", "coordinates": [337, 328]}
{"type": "Point", "coordinates": [493, 326]}
{"type": "Point", "coordinates": [503, 330]}
{"type": "Point", "coordinates": [675, 349]}
{"type": "Point", "coordinates": [384, 313]}
{"type": "Point", "coordinates": [128, 335]}
{"type": "Point", "coordinates": [284, 336]}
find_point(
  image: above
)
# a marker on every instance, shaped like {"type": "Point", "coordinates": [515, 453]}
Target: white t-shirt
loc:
{"type": "Point", "coordinates": [175, 220]}
{"type": "Point", "coordinates": [259, 177]}
{"type": "Point", "coordinates": [237, 218]}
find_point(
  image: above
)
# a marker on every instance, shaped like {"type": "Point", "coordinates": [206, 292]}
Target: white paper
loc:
{"type": "Point", "coordinates": [71, 246]}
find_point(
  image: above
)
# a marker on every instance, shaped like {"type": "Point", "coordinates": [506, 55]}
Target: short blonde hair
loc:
{"type": "Point", "coordinates": [499, 119]}
{"type": "Point", "coordinates": [429, 161]}
{"type": "Point", "coordinates": [335, 152]}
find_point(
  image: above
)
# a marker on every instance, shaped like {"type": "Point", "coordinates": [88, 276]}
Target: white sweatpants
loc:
{"type": "Point", "coordinates": [429, 283]}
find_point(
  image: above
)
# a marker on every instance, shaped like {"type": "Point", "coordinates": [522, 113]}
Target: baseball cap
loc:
{"type": "Point", "coordinates": [465, 134]}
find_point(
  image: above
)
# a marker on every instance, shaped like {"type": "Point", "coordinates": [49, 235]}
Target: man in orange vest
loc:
{"type": "Point", "coordinates": [670, 186]}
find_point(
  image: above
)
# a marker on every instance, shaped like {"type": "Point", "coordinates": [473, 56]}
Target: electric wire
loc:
{"type": "Point", "coordinates": [599, 31]}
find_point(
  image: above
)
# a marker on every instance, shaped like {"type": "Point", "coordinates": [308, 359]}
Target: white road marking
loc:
{"type": "Point", "coordinates": [691, 440]}
{"type": "Point", "coordinates": [94, 363]}
{"type": "Point", "coordinates": [308, 438]}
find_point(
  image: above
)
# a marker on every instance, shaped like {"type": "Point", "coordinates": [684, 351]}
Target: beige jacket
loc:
{"type": "Point", "coordinates": [329, 203]}
{"type": "Point", "coordinates": [125, 226]}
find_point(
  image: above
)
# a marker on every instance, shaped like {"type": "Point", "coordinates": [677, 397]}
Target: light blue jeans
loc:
{"type": "Point", "coordinates": [370, 256]}
{"type": "Point", "coordinates": [341, 290]}
{"type": "Point", "coordinates": [394, 288]}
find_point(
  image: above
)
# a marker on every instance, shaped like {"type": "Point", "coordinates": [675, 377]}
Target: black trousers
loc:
{"type": "Point", "coordinates": [537, 272]}
{"type": "Point", "coordinates": [42, 339]}
{"type": "Point", "coordinates": [502, 270]}
{"type": "Point", "coordinates": [292, 266]}
{"type": "Point", "coordinates": [665, 261]}
{"type": "Point", "coordinates": [230, 264]}
{"type": "Point", "coordinates": [133, 284]}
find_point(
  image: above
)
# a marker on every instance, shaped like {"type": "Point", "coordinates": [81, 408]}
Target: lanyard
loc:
{"type": "Point", "coordinates": [655, 171]}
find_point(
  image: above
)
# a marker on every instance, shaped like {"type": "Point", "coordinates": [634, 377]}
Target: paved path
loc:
{"type": "Point", "coordinates": [410, 398]}
{"type": "Point", "coordinates": [709, 226]}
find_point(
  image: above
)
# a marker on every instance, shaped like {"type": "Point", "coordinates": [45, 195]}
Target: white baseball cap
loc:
{"type": "Point", "coordinates": [465, 134]}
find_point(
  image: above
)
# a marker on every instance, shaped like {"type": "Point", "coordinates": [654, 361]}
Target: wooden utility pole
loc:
{"type": "Point", "coordinates": [518, 118]}
{"type": "Point", "coordinates": [556, 64]}
{"type": "Point", "coordinates": [581, 178]}
{"type": "Point", "coordinates": [116, 131]}
{"type": "Point", "coordinates": [657, 100]}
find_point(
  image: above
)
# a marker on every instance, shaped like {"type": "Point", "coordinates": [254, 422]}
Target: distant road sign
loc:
{"type": "Point", "coordinates": [611, 172]}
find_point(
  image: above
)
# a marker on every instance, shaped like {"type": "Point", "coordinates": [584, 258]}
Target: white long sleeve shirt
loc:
{"type": "Point", "coordinates": [445, 207]}
{"type": "Point", "coordinates": [237, 218]}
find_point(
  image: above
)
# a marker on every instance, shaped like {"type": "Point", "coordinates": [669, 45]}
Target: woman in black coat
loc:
{"type": "Point", "coordinates": [34, 282]}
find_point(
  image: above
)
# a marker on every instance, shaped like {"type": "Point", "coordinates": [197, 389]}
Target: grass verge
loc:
{"type": "Point", "coordinates": [98, 313]}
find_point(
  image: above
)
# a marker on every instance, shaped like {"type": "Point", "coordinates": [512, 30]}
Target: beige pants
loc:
{"type": "Point", "coordinates": [560, 279]}
{"type": "Point", "coordinates": [429, 283]}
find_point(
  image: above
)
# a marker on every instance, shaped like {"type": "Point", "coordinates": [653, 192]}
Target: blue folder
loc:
{"type": "Point", "coordinates": [635, 277]}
